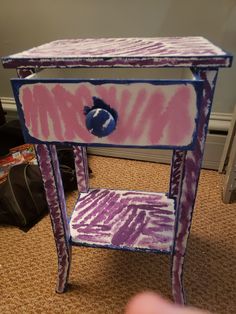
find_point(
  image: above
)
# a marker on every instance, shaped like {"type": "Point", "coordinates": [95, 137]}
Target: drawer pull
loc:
{"type": "Point", "coordinates": [100, 119]}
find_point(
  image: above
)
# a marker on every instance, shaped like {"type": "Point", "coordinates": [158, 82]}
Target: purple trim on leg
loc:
{"type": "Point", "coordinates": [60, 189]}
{"type": "Point", "coordinates": [81, 167]}
{"type": "Point", "coordinates": [86, 167]}
{"type": "Point", "coordinates": [49, 167]}
{"type": "Point", "coordinates": [176, 177]}
{"type": "Point", "coordinates": [186, 199]}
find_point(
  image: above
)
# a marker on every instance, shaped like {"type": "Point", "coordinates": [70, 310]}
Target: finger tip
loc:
{"type": "Point", "coordinates": [146, 302]}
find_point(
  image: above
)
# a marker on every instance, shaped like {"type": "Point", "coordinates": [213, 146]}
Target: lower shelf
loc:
{"type": "Point", "coordinates": [128, 220]}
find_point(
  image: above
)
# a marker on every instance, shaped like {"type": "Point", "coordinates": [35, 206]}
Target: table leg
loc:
{"type": "Point", "coordinates": [49, 166]}
{"type": "Point", "coordinates": [81, 167]}
{"type": "Point", "coordinates": [184, 185]}
{"type": "Point", "coordinates": [176, 176]}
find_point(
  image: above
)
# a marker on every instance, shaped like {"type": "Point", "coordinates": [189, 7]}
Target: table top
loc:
{"type": "Point", "coordinates": [122, 52]}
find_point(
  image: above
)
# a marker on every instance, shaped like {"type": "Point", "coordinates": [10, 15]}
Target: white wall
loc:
{"type": "Point", "coordinates": [28, 23]}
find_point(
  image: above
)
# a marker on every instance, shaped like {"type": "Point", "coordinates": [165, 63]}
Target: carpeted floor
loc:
{"type": "Point", "coordinates": [101, 281]}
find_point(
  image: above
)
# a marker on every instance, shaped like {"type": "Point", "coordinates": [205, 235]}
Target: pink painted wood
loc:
{"type": "Point", "coordinates": [82, 176]}
{"type": "Point", "coordinates": [148, 115]}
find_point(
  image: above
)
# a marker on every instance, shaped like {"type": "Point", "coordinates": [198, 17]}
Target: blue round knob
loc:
{"type": "Point", "coordinates": [100, 122]}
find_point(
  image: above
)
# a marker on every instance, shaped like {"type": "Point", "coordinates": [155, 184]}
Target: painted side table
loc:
{"type": "Point", "coordinates": [80, 92]}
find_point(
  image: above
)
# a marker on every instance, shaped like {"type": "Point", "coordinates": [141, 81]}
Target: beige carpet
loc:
{"type": "Point", "coordinates": [102, 281]}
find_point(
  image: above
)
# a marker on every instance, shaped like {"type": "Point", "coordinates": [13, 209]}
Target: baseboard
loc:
{"type": "Point", "coordinates": [212, 155]}
{"type": "Point", "coordinates": [218, 128]}
{"type": "Point", "coordinates": [9, 106]}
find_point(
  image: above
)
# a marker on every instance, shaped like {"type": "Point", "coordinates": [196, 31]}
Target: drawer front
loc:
{"type": "Point", "coordinates": [109, 112]}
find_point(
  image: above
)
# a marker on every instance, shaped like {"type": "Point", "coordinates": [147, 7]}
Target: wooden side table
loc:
{"type": "Point", "coordinates": [79, 92]}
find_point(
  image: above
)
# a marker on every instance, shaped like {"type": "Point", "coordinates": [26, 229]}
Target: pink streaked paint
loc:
{"type": "Point", "coordinates": [147, 114]}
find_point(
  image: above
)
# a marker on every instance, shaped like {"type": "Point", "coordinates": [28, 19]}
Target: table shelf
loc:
{"type": "Point", "coordinates": [127, 220]}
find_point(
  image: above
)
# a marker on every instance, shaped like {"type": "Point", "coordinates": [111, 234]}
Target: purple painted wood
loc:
{"type": "Point", "coordinates": [123, 52]}
{"type": "Point", "coordinates": [190, 168]}
{"type": "Point", "coordinates": [60, 189]}
{"type": "Point", "coordinates": [49, 166]}
{"type": "Point", "coordinates": [81, 168]}
{"type": "Point", "coordinates": [176, 176]}
{"type": "Point", "coordinates": [124, 220]}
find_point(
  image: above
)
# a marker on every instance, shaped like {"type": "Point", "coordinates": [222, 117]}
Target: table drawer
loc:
{"type": "Point", "coordinates": [137, 113]}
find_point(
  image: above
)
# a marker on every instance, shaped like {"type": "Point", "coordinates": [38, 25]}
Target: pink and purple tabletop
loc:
{"type": "Point", "coordinates": [123, 52]}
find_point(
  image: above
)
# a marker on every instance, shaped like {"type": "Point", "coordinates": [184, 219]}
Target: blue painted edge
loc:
{"type": "Point", "coordinates": [17, 83]}
{"type": "Point", "coordinates": [120, 248]}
